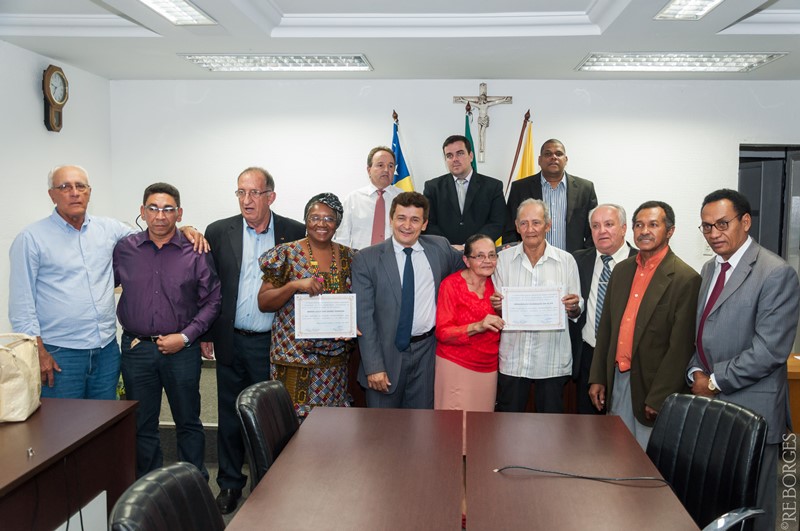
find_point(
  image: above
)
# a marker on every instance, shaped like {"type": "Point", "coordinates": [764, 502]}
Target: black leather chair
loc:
{"type": "Point", "coordinates": [172, 498]}
{"type": "Point", "coordinates": [268, 422]}
{"type": "Point", "coordinates": [710, 453]}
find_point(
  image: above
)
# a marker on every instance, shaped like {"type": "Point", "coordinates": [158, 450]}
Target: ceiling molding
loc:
{"type": "Point", "coordinates": [70, 26]}
{"type": "Point", "coordinates": [771, 22]}
{"type": "Point", "coordinates": [446, 25]}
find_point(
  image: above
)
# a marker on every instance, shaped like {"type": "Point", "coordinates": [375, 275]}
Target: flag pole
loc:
{"type": "Point", "coordinates": [525, 121]}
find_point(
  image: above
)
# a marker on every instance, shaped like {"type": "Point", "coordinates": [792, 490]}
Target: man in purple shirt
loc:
{"type": "Point", "coordinates": [170, 297]}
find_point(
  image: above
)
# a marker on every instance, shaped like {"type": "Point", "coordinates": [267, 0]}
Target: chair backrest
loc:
{"type": "Point", "coordinates": [268, 422]}
{"type": "Point", "coordinates": [173, 498]}
{"type": "Point", "coordinates": [710, 453]}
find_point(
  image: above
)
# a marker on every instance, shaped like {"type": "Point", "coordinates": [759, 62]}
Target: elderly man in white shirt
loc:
{"type": "Point", "coordinates": [366, 211]}
{"type": "Point", "coordinates": [543, 358]}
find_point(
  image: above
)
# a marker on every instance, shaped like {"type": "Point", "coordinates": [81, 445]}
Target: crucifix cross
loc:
{"type": "Point", "coordinates": [482, 102]}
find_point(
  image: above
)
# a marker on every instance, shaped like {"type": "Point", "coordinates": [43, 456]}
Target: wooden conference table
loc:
{"type": "Point", "coordinates": [79, 449]}
{"type": "Point", "coordinates": [356, 468]}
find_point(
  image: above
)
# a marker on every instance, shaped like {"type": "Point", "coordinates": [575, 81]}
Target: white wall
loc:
{"type": "Point", "coordinates": [28, 150]}
{"type": "Point", "coordinates": [673, 141]}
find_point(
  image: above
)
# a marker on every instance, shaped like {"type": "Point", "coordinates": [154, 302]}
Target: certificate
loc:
{"type": "Point", "coordinates": [534, 308]}
{"type": "Point", "coordinates": [325, 316]}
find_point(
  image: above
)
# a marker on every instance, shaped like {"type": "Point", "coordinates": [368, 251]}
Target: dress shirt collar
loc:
{"type": "Point", "coordinates": [617, 257]}
{"type": "Point", "coordinates": [548, 254]}
{"type": "Point", "coordinates": [561, 184]}
{"type": "Point", "coordinates": [654, 260]}
{"type": "Point", "coordinates": [467, 178]}
{"type": "Point", "coordinates": [399, 248]}
{"type": "Point", "coordinates": [270, 225]}
{"type": "Point", "coordinates": [735, 257]}
{"type": "Point", "coordinates": [144, 236]}
{"type": "Point", "coordinates": [64, 224]}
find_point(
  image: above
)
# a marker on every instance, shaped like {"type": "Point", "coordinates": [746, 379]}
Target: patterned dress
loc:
{"type": "Point", "coordinates": [314, 371]}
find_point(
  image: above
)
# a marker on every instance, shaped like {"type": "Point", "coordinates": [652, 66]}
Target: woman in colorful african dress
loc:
{"type": "Point", "coordinates": [314, 371]}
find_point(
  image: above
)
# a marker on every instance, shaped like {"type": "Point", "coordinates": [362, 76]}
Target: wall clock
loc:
{"type": "Point", "coordinates": [56, 94]}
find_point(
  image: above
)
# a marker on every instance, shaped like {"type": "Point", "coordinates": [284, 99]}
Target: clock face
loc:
{"type": "Point", "coordinates": [58, 87]}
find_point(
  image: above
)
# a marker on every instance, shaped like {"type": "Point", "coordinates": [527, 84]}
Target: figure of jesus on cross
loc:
{"type": "Point", "coordinates": [482, 102]}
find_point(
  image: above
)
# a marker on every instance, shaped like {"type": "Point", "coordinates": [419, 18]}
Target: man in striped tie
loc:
{"type": "Point", "coordinates": [595, 265]}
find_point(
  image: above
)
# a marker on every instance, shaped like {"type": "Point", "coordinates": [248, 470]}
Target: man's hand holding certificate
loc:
{"type": "Point", "coordinates": [325, 316]}
{"type": "Point", "coordinates": [538, 308]}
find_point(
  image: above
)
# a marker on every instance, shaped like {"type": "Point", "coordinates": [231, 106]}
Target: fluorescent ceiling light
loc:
{"type": "Point", "coordinates": [676, 62]}
{"type": "Point", "coordinates": [281, 62]}
{"type": "Point", "coordinates": [686, 9]}
{"type": "Point", "coordinates": [179, 12]}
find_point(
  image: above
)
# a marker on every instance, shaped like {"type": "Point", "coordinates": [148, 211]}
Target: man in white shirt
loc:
{"type": "Point", "coordinates": [366, 210]}
{"type": "Point", "coordinates": [543, 358]}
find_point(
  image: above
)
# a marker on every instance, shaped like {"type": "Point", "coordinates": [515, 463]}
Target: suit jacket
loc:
{"type": "Point", "coordinates": [749, 334]}
{"type": "Point", "coordinates": [484, 208]}
{"type": "Point", "coordinates": [376, 283]}
{"type": "Point", "coordinates": [225, 237]}
{"type": "Point", "coordinates": [663, 339]}
{"type": "Point", "coordinates": [585, 259]}
{"type": "Point", "coordinates": [580, 200]}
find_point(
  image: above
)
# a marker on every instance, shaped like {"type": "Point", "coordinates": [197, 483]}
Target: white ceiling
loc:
{"type": "Point", "coordinates": [402, 39]}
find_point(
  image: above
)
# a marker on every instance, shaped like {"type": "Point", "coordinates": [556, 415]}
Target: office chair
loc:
{"type": "Point", "coordinates": [710, 453]}
{"type": "Point", "coordinates": [172, 498]}
{"type": "Point", "coordinates": [268, 422]}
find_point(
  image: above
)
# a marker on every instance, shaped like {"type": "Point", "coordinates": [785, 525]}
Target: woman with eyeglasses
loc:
{"type": "Point", "coordinates": [314, 371]}
{"type": "Point", "coordinates": [468, 332]}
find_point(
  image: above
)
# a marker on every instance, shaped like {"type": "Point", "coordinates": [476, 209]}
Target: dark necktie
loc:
{"type": "Point", "coordinates": [601, 290]}
{"type": "Point", "coordinates": [718, 285]}
{"type": "Point", "coordinates": [379, 220]}
{"type": "Point", "coordinates": [403, 337]}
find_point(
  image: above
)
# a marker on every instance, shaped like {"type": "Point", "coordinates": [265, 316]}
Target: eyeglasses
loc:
{"type": "Point", "coordinates": [255, 194]}
{"type": "Point", "coordinates": [68, 187]}
{"type": "Point", "coordinates": [167, 210]}
{"type": "Point", "coordinates": [721, 225]}
{"type": "Point", "coordinates": [492, 257]}
{"type": "Point", "coordinates": [322, 219]}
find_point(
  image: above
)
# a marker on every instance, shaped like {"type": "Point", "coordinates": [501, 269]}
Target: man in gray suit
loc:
{"type": "Point", "coordinates": [397, 340]}
{"type": "Point", "coordinates": [747, 320]}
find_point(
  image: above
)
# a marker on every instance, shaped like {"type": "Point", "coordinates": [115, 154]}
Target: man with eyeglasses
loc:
{"type": "Point", "coordinates": [746, 324]}
{"type": "Point", "coordinates": [646, 331]}
{"type": "Point", "coordinates": [542, 358]}
{"type": "Point", "coordinates": [569, 198]}
{"type": "Point", "coordinates": [366, 210]}
{"type": "Point", "coordinates": [464, 202]}
{"type": "Point", "coordinates": [170, 297]}
{"type": "Point", "coordinates": [240, 337]}
{"type": "Point", "coordinates": [61, 290]}
{"type": "Point", "coordinates": [595, 265]}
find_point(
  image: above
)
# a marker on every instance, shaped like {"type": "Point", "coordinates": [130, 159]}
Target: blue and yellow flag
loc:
{"type": "Point", "coordinates": [402, 176]}
{"type": "Point", "coordinates": [468, 134]}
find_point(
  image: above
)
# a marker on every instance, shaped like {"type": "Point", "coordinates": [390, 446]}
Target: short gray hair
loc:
{"type": "Point", "coordinates": [56, 170]}
{"type": "Point", "coordinates": [620, 212]}
{"type": "Point", "coordinates": [532, 201]}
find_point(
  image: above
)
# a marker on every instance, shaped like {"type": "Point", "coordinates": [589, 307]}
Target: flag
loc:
{"type": "Point", "coordinates": [527, 166]}
{"type": "Point", "coordinates": [402, 175]}
{"type": "Point", "coordinates": [468, 134]}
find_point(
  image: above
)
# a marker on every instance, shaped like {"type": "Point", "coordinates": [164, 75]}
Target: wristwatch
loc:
{"type": "Point", "coordinates": [711, 387]}
{"type": "Point", "coordinates": [186, 342]}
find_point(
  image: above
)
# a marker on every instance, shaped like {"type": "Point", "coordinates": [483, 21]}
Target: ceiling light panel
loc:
{"type": "Point", "coordinates": [179, 12]}
{"type": "Point", "coordinates": [677, 62]}
{"type": "Point", "coordinates": [281, 62]}
{"type": "Point", "coordinates": [686, 9]}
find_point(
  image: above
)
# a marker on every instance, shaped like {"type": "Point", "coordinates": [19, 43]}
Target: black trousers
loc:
{"type": "Point", "coordinates": [513, 393]}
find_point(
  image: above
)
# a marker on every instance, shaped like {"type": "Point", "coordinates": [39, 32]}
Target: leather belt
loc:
{"type": "Point", "coordinates": [152, 339]}
{"type": "Point", "coordinates": [426, 335]}
{"type": "Point", "coordinates": [250, 332]}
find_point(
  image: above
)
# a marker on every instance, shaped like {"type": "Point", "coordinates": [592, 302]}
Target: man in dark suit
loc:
{"type": "Point", "coordinates": [746, 321]}
{"type": "Point", "coordinates": [464, 202]}
{"type": "Point", "coordinates": [240, 336]}
{"type": "Point", "coordinates": [568, 197]}
{"type": "Point", "coordinates": [646, 333]}
{"type": "Point", "coordinates": [396, 283]}
{"type": "Point", "coordinates": [608, 234]}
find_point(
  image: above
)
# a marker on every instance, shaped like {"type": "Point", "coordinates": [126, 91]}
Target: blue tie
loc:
{"type": "Point", "coordinates": [601, 290]}
{"type": "Point", "coordinates": [403, 337]}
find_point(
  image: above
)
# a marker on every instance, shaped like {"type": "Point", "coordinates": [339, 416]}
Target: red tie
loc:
{"type": "Point", "coordinates": [379, 221]}
{"type": "Point", "coordinates": [720, 283]}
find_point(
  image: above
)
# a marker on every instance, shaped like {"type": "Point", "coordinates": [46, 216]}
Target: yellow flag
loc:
{"type": "Point", "coordinates": [527, 165]}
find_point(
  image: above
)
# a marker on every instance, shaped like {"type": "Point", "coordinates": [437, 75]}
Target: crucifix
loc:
{"type": "Point", "coordinates": [482, 102]}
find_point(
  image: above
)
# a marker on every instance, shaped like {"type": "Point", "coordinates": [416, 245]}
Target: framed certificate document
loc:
{"type": "Point", "coordinates": [325, 316]}
{"type": "Point", "coordinates": [534, 308]}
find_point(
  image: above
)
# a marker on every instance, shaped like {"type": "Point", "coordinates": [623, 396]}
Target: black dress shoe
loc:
{"type": "Point", "coordinates": [227, 500]}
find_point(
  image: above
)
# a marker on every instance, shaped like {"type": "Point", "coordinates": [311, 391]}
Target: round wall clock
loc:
{"type": "Point", "coordinates": [56, 94]}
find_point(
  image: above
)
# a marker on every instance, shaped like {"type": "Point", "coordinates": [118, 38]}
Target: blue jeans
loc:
{"type": "Point", "coordinates": [146, 371]}
{"type": "Point", "coordinates": [85, 373]}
